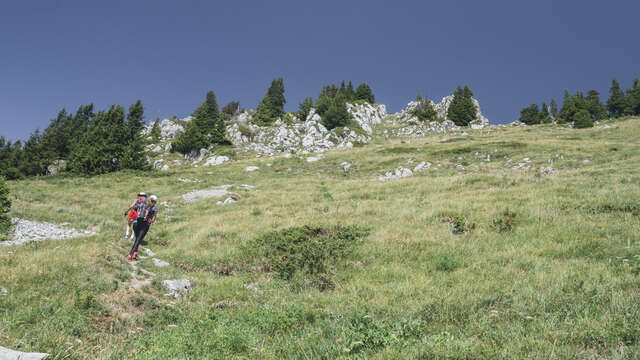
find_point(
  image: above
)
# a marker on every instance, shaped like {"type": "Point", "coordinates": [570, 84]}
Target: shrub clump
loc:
{"type": "Point", "coordinates": [5, 206]}
{"type": "Point", "coordinates": [459, 222]}
{"type": "Point", "coordinates": [506, 221]}
{"type": "Point", "coordinates": [306, 250]}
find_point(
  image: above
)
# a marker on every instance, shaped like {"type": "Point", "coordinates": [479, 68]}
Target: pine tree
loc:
{"type": "Point", "coordinates": [632, 99]}
{"type": "Point", "coordinates": [351, 93]}
{"type": "Point", "coordinates": [364, 93]}
{"type": "Point", "coordinates": [554, 109]}
{"type": "Point", "coordinates": [424, 111]}
{"type": "Point", "coordinates": [583, 119]}
{"type": "Point", "coordinates": [156, 133]}
{"type": "Point", "coordinates": [530, 115]}
{"type": "Point", "coordinates": [469, 107]}
{"type": "Point", "coordinates": [594, 106]}
{"type": "Point", "coordinates": [461, 109]}
{"type": "Point", "coordinates": [135, 157]}
{"type": "Point", "coordinates": [5, 207]}
{"type": "Point", "coordinates": [206, 128]}
{"type": "Point", "coordinates": [190, 140]}
{"type": "Point", "coordinates": [304, 109]}
{"type": "Point", "coordinates": [232, 108]}
{"type": "Point", "coordinates": [34, 160]}
{"type": "Point", "coordinates": [337, 114]}
{"type": "Point", "coordinates": [616, 102]}
{"type": "Point", "coordinates": [272, 105]}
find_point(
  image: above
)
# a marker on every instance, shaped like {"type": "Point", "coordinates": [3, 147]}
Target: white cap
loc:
{"type": "Point", "coordinates": [142, 194]}
{"type": "Point", "coordinates": [153, 198]}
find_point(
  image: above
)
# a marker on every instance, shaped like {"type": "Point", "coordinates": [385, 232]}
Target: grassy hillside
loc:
{"type": "Point", "coordinates": [554, 277]}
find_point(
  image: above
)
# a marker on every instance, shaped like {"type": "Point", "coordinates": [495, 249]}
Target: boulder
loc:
{"type": "Point", "coordinates": [214, 192]}
{"type": "Point", "coordinates": [399, 173]}
{"type": "Point", "coordinates": [165, 167]}
{"type": "Point", "coordinates": [176, 288]}
{"type": "Point", "coordinates": [311, 159]}
{"type": "Point", "coordinates": [160, 263]}
{"type": "Point", "coordinates": [216, 160]}
{"type": "Point", "coordinates": [251, 168]}
{"type": "Point", "coordinates": [8, 354]}
{"type": "Point", "coordinates": [158, 163]}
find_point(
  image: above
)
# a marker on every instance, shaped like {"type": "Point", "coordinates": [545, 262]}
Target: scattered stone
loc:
{"type": "Point", "coordinates": [165, 167]}
{"type": "Point", "coordinates": [3, 291]}
{"type": "Point", "coordinates": [158, 163]}
{"type": "Point", "coordinates": [314, 158]}
{"type": "Point", "coordinates": [459, 167]}
{"type": "Point", "coordinates": [216, 160]}
{"type": "Point", "coordinates": [521, 166]}
{"type": "Point", "coordinates": [346, 166]}
{"type": "Point", "coordinates": [586, 161]}
{"type": "Point", "coordinates": [247, 187]}
{"type": "Point", "coordinates": [228, 200]}
{"type": "Point", "coordinates": [253, 288]}
{"type": "Point", "coordinates": [399, 173]}
{"type": "Point", "coordinates": [176, 288]}
{"type": "Point", "coordinates": [188, 181]}
{"type": "Point", "coordinates": [422, 166]}
{"type": "Point", "coordinates": [25, 231]}
{"type": "Point", "coordinates": [251, 168]}
{"type": "Point", "coordinates": [214, 192]}
{"type": "Point", "coordinates": [177, 162]}
{"type": "Point", "coordinates": [148, 251]}
{"type": "Point", "coordinates": [160, 263]}
{"type": "Point", "coordinates": [8, 354]}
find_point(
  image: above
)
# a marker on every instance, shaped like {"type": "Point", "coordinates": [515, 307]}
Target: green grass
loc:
{"type": "Point", "coordinates": [557, 276]}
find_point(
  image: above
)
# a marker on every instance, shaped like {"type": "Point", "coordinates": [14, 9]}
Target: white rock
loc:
{"type": "Point", "coordinates": [345, 166]}
{"type": "Point", "coordinates": [160, 263]}
{"type": "Point", "coordinates": [158, 163]}
{"type": "Point", "coordinates": [165, 167]}
{"type": "Point", "coordinates": [148, 251]}
{"type": "Point", "coordinates": [26, 231]}
{"type": "Point", "coordinates": [586, 161]}
{"type": "Point", "coordinates": [3, 291]}
{"type": "Point", "coordinates": [177, 162]}
{"type": "Point", "coordinates": [422, 166]}
{"type": "Point", "coordinates": [157, 149]}
{"type": "Point", "coordinates": [314, 158]}
{"type": "Point", "coordinates": [399, 173]}
{"type": "Point", "coordinates": [227, 201]}
{"type": "Point", "coordinates": [251, 168]}
{"type": "Point", "coordinates": [215, 192]}
{"type": "Point", "coordinates": [216, 160]}
{"type": "Point", "coordinates": [8, 354]}
{"type": "Point", "coordinates": [547, 170]}
{"type": "Point", "coordinates": [176, 288]}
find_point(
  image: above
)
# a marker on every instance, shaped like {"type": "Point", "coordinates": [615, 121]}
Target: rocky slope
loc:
{"type": "Point", "coordinates": [310, 135]}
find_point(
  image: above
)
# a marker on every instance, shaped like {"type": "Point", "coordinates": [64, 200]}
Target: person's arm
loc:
{"type": "Point", "coordinates": [153, 219]}
{"type": "Point", "coordinates": [129, 209]}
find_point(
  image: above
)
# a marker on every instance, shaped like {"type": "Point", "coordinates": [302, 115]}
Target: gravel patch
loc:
{"type": "Point", "coordinates": [25, 231]}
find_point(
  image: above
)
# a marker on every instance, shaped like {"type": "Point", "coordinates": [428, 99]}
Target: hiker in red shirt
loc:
{"type": "Point", "coordinates": [133, 213]}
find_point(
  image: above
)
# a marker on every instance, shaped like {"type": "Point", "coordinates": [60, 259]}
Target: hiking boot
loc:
{"type": "Point", "coordinates": [135, 255]}
{"type": "Point", "coordinates": [129, 257]}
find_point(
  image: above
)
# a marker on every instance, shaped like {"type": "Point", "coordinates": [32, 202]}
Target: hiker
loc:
{"type": "Point", "coordinates": [147, 213]}
{"type": "Point", "coordinates": [133, 214]}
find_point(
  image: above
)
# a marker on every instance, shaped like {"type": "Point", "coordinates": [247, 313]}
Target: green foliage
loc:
{"type": "Point", "coordinates": [460, 224]}
{"type": "Point", "coordinates": [231, 108]}
{"type": "Point", "coordinates": [5, 207]}
{"type": "Point", "coordinates": [156, 133]}
{"type": "Point", "coordinates": [583, 119]}
{"type": "Point", "coordinates": [207, 128]}
{"type": "Point", "coordinates": [336, 114]}
{"type": "Point", "coordinates": [506, 221]}
{"type": "Point", "coordinates": [554, 109]}
{"type": "Point", "coordinates": [545, 116]}
{"type": "Point", "coordinates": [616, 103]}
{"type": "Point", "coordinates": [462, 110]}
{"type": "Point", "coordinates": [135, 155]}
{"type": "Point", "coordinates": [364, 92]}
{"type": "Point", "coordinates": [332, 105]}
{"type": "Point", "coordinates": [272, 105]}
{"type": "Point", "coordinates": [424, 111]}
{"type": "Point", "coordinates": [304, 109]}
{"type": "Point", "coordinates": [530, 115]}
{"type": "Point", "coordinates": [102, 149]}
{"type": "Point", "coordinates": [305, 250]}
{"type": "Point", "coordinates": [594, 106]}
{"type": "Point", "coordinates": [632, 99]}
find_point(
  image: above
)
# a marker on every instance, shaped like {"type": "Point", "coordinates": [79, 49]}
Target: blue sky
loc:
{"type": "Point", "coordinates": [57, 54]}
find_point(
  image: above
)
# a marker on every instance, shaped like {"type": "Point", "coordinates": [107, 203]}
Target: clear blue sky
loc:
{"type": "Point", "coordinates": [59, 54]}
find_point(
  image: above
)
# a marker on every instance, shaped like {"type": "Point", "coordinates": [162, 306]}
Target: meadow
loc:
{"type": "Point", "coordinates": [474, 260]}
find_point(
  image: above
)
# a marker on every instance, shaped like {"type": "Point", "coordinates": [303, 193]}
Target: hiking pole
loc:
{"type": "Point", "coordinates": [126, 227]}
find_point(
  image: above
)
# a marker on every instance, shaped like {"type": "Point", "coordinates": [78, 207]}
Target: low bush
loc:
{"type": "Point", "coordinates": [306, 250]}
{"type": "Point", "coordinates": [506, 221]}
{"type": "Point", "coordinates": [5, 207]}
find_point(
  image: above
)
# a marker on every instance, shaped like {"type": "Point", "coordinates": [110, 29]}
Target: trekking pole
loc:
{"type": "Point", "coordinates": [126, 227]}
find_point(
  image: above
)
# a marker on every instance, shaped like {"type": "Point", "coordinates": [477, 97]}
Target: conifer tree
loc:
{"type": "Point", "coordinates": [530, 115]}
{"type": "Point", "coordinates": [461, 109]}
{"type": "Point", "coordinates": [135, 157]}
{"type": "Point", "coordinates": [582, 119]}
{"type": "Point", "coordinates": [594, 106]}
{"type": "Point", "coordinates": [272, 105]}
{"type": "Point", "coordinates": [351, 93]}
{"type": "Point", "coordinates": [632, 99]}
{"type": "Point", "coordinates": [156, 133]}
{"type": "Point", "coordinates": [336, 114]}
{"type": "Point", "coordinates": [616, 102]}
{"type": "Point", "coordinates": [304, 109]}
{"type": "Point", "coordinates": [5, 207]}
{"type": "Point", "coordinates": [364, 92]}
{"type": "Point", "coordinates": [424, 110]}
{"type": "Point", "coordinates": [469, 108]}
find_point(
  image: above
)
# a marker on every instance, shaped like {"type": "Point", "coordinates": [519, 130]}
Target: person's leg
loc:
{"type": "Point", "coordinates": [129, 226]}
{"type": "Point", "coordinates": [136, 232]}
{"type": "Point", "coordinates": [143, 227]}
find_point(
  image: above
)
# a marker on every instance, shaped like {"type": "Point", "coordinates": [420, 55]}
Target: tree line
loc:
{"type": "Point", "coordinates": [87, 143]}
{"type": "Point", "coordinates": [582, 110]}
